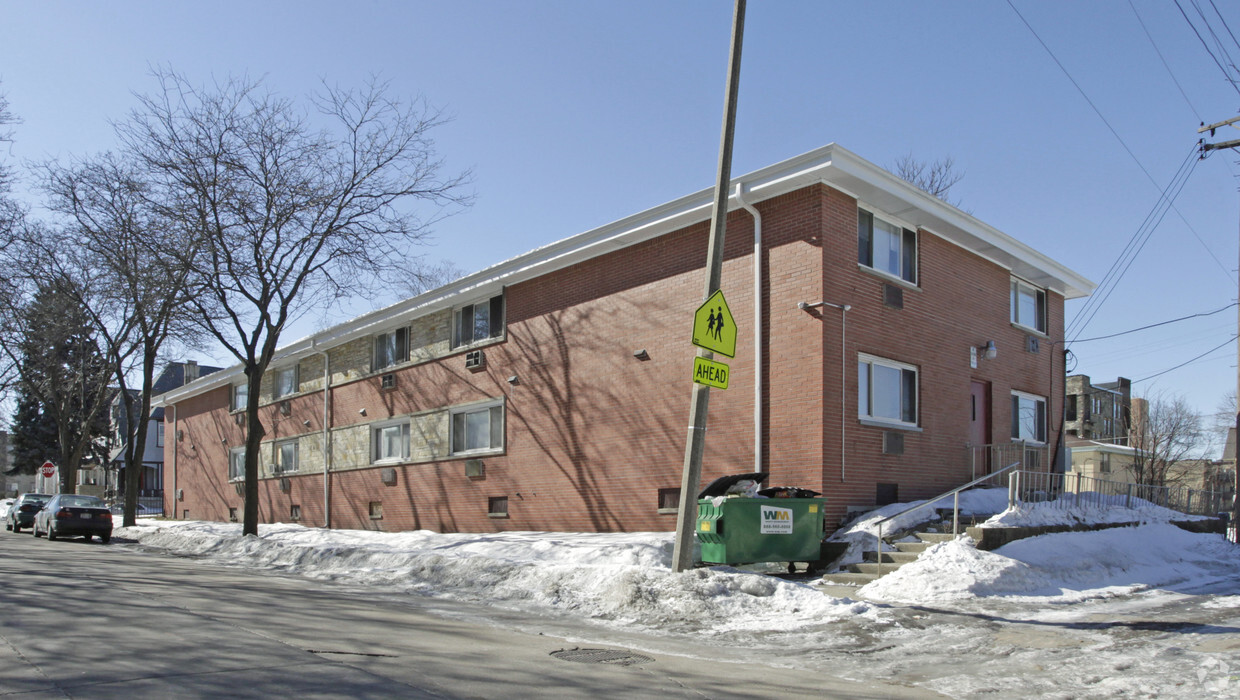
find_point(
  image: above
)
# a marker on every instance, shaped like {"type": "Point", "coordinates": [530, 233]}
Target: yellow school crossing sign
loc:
{"type": "Point", "coordinates": [713, 327]}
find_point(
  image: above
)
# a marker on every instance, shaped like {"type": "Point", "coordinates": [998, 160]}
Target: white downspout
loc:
{"type": "Point", "coordinates": [757, 326]}
{"type": "Point", "coordinates": [175, 444]}
{"type": "Point", "coordinates": [327, 494]}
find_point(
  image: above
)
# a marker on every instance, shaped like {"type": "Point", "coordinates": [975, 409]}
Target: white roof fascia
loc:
{"type": "Point", "coordinates": [832, 165]}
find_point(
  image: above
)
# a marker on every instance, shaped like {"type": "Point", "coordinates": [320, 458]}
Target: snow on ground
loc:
{"type": "Point", "coordinates": [620, 579]}
{"type": "Point", "coordinates": [1147, 611]}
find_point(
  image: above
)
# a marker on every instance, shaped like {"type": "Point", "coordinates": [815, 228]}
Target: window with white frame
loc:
{"type": "Point", "coordinates": [159, 434]}
{"type": "Point", "coordinates": [479, 321]}
{"type": "Point", "coordinates": [1028, 417]}
{"type": "Point", "coordinates": [236, 464]}
{"type": "Point", "coordinates": [478, 428]}
{"type": "Point", "coordinates": [886, 390]}
{"type": "Point", "coordinates": [390, 348]}
{"type": "Point", "coordinates": [240, 396]}
{"type": "Point", "coordinates": [287, 381]}
{"type": "Point", "coordinates": [390, 442]}
{"type": "Point", "coordinates": [285, 456]}
{"type": "Point", "coordinates": [886, 247]}
{"type": "Point", "coordinates": [1028, 306]}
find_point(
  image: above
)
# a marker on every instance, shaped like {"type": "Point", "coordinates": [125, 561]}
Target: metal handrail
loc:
{"type": "Point", "coordinates": [955, 510]}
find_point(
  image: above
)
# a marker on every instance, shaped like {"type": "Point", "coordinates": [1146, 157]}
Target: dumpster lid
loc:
{"type": "Point", "coordinates": [720, 486]}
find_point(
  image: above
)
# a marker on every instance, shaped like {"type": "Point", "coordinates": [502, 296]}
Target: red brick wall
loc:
{"type": "Point", "coordinates": [592, 433]}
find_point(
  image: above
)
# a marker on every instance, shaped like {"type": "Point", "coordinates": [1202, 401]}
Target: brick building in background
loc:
{"type": "Point", "coordinates": [551, 391]}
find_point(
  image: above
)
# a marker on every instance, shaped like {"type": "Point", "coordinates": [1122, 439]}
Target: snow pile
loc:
{"type": "Point", "coordinates": [1064, 566]}
{"type": "Point", "coordinates": [862, 532]}
{"type": "Point", "coordinates": [1087, 508]}
{"type": "Point", "coordinates": [621, 579]}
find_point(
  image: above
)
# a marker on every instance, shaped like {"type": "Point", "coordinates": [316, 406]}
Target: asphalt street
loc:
{"type": "Point", "coordinates": [87, 620]}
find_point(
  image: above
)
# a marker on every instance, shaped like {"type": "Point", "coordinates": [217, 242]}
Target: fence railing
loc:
{"type": "Point", "coordinates": [984, 459]}
{"type": "Point", "coordinates": [1072, 490]}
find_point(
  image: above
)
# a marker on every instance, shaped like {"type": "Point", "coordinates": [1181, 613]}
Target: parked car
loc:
{"type": "Point", "coordinates": [4, 507]}
{"type": "Point", "coordinates": [21, 513]}
{"type": "Point", "coordinates": [68, 514]}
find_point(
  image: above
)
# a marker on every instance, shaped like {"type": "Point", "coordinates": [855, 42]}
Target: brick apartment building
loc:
{"type": "Point", "coordinates": [551, 391]}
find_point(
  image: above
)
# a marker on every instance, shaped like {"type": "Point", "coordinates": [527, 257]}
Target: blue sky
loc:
{"type": "Point", "coordinates": [575, 114]}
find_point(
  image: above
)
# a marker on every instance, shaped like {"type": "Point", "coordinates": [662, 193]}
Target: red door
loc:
{"type": "Point", "coordinates": [979, 423]}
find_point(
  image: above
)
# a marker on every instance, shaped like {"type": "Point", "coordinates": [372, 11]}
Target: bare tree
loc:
{"type": "Point", "coordinates": [286, 217]}
{"type": "Point", "coordinates": [1165, 431]}
{"type": "Point", "coordinates": [139, 287]}
{"type": "Point", "coordinates": [936, 178]}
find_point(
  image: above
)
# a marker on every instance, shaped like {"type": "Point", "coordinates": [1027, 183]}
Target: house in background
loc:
{"type": "Point", "coordinates": [1101, 412]}
{"type": "Point", "coordinates": [881, 335]}
{"type": "Point", "coordinates": [109, 482]}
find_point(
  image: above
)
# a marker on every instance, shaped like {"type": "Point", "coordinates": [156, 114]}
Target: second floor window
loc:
{"type": "Point", "coordinates": [479, 321]}
{"type": "Point", "coordinates": [240, 396]}
{"type": "Point", "coordinates": [391, 348]}
{"type": "Point", "coordinates": [886, 247]}
{"type": "Point", "coordinates": [286, 381]}
{"type": "Point", "coordinates": [1028, 306]}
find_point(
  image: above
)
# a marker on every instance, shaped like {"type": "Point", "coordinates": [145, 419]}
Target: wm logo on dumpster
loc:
{"type": "Point", "coordinates": [776, 521]}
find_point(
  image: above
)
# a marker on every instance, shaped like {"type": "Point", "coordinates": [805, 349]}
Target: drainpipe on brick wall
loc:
{"type": "Point", "coordinates": [757, 326]}
{"type": "Point", "coordinates": [175, 443]}
{"type": "Point", "coordinates": [327, 493]}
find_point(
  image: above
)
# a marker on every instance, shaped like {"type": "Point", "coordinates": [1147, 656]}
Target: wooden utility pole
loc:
{"type": "Point", "coordinates": [1235, 496]}
{"type": "Point", "coordinates": [695, 445]}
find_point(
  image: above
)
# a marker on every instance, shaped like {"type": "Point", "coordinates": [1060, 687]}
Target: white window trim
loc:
{"type": "Point", "coordinates": [869, 419]}
{"type": "Point", "coordinates": [159, 433]}
{"type": "Point", "coordinates": [1020, 283]}
{"type": "Point", "coordinates": [915, 283]}
{"type": "Point", "coordinates": [279, 469]}
{"type": "Point", "coordinates": [456, 312]}
{"type": "Point", "coordinates": [232, 453]}
{"type": "Point", "coordinates": [376, 428]}
{"type": "Point", "coordinates": [473, 408]}
{"type": "Point", "coordinates": [275, 386]}
{"type": "Point", "coordinates": [1046, 428]}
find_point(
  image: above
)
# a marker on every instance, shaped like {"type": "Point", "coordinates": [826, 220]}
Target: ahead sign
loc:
{"type": "Point", "coordinates": [48, 470]}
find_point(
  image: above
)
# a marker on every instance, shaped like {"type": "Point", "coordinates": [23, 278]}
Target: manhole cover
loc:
{"type": "Point", "coordinates": [602, 656]}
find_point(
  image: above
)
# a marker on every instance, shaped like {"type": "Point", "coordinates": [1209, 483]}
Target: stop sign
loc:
{"type": "Point", "coordinates": [48, 470]}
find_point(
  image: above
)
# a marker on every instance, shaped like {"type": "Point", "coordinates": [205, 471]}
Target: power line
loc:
{"type": "Point", "coordinates": [1229, 341]}
{"type": "Point", "coordinates": [1226, 75]}
{"type": "Point", "coordinates": [1164, 61]}
{"type": "Point", "coordinates": [1156, 325]}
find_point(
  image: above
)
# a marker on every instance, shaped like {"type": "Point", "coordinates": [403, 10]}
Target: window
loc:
{"type": "Point", "coordinates": [391, 442]}
{"type": "Point", "coordinates": [376, 510]}
{"type": "Point", "coordinates": [159, 434]}
{"type": "Point", "coordinates": [669, 500]}
{"type": "Point", "coordinates": [286, 381]}
{"type": "Point", "coordinates": [497, 507]}
{"type": "Point", "coordinates": [1028, 417]}
{"type": "Point", "coordinates": [240, 396]}
{"type": "Point", "coordinates": [886, 390]}
{"type": "Point", "coordinates": [477, 322]}
{"type": "Point", "coordinates": [478, 429]}
{"type": "Point", "coordinates": [286, 456]}
{"type": "Point", "coordinates": [1028, 306]}
{"type": "Point", "coordinates": [294, 513]}
{"type": "Point", "coordinates": [236, 464]}
{"type": "Point", "coordinates": [1104, 463]}
{"type": "Point", "coordinates": [391, 348]}
{"type": "Point", "coordinates": [886, 247]}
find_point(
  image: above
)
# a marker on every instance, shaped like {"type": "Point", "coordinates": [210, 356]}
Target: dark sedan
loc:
{"type": "Point", "coordinates": [22, 512]}
{"type": "Point", "coordinates": [68, 515]}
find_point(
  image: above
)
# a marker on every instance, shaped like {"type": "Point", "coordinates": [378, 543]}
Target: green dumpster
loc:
{"type": "Point", "coordinates": [739, 530]}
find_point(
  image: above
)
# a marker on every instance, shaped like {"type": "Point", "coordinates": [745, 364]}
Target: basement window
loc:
{"type": "Point", "coordinates": [497, 507]}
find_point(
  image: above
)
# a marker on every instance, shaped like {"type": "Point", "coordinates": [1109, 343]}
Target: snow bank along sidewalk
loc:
{"type": "Point", "coordinates": [618, 579]}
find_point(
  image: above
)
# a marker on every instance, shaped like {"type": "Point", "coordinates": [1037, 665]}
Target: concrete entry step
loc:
{"type": "Point", "coordinates": [874, 567]}
{"type": "Point", "coordinates": [849, 579]}
{"type": "Point", "coordinates": [900, 557]}
{"type": "Point", "coordinates": [912, 547]}
{"type": "Point", "coordinates": [935, 537]}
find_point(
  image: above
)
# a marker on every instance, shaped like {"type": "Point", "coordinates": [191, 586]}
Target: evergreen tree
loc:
{"type": "Point", "coordinates": [32, 436]}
